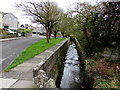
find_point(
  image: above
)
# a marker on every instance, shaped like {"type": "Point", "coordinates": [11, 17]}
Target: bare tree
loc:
{"type": "Point", "coordinates": [45, 13]}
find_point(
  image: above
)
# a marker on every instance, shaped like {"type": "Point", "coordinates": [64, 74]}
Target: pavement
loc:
{"type": "Point", "coordinates": [20, 76]}
{"type": "Point", "coordinates": [9, 39]}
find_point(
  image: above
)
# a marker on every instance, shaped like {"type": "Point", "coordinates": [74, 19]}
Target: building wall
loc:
{"type": "Point", "coordinates": [10, 20]}
{"type": "Point", "coordinates": [1, 20]}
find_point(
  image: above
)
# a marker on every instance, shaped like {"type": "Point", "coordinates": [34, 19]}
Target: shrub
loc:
{"type": "Point", "coordinates": [24, 30]}
{"type": "Point", "coordinates": [8, 35]}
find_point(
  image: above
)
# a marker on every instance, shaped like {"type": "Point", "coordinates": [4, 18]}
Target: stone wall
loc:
{"type": "Point", "coordinates": [79, 48]}
{"type": "Point", "coordinates": [46, 72]}
{"type": "Point", "coordinates": [81, 54]}
{"type": "Point", "coordinates": [10, 35]}
{"type": "Point", "coordinates": [28, 34]}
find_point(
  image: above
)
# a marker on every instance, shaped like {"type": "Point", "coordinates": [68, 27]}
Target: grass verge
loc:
{"type": "Point", "coordinates": [32, 50]}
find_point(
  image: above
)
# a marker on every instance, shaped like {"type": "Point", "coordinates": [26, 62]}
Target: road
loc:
{"type": "Point", "coordinates": [11, 49]}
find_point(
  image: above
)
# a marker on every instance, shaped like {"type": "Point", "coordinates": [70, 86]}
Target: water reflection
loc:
{"type": "Point", "coordinates": [71, 74]}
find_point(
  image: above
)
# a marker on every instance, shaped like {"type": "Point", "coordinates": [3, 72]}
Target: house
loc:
{"type": "Point", "coordinates": [22, 27]}
{"type": "Point", "coordinates": [26, 26]}
{"type": "Point", "coordinates": [39, 30]}
{"type": "Point", "coordinates": [10, 21]}
{"type": "Point", "coordinates": [1, 20]}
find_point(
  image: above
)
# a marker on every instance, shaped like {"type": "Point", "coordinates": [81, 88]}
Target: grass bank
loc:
{"type": "Point", "coordinates": [32, 51]}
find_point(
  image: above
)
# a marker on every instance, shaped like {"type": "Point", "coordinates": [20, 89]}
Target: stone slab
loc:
{"type": "Point", "coordinates": [21, 69]}
{"type": "Point", "coordinates": [6, 83]}
{"type": "Point", "coordinates": [49, 51]}
{"type": "Point", "coordinates": [26, 76]}
{"type": "Point", "coordinates": [23, 84]}
{"type": "Point", "coordinates": [35, 60]}
{"type": "Point", "coordinates": [26, 65]}
{"type": "Point", "coordinates": [11, 74]}
{"type": "Point", "coordinates": [46, 54]}
{"type": "Point", "coordinates": [40, 57]}
{"type": "Point", "coordinates": [53, 49]}
{"type": "Point", "coordinates": [30, 71]}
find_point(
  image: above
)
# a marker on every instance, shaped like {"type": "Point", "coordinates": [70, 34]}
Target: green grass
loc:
{"type": "Point", "coordinates": [32, 51]}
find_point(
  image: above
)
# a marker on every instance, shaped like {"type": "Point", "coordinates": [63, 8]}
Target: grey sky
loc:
{"type": "Point", "coordinates": [8, 6]}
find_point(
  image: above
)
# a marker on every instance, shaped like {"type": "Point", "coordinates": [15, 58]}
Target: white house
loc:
{"type": "Point", "coordinates": [10, 21]}
{"type": "Point", "coordinates": [1, 20]}
{"type": "Point", "coordinates": [39, 30]}
{"type": "Point", "coordinates": [26, 26]}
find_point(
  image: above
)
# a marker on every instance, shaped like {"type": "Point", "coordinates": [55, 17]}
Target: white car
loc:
{"type": "Point", "coordinates": [10, 31]}
{"type": "Point", "coordinates": [19, 34]}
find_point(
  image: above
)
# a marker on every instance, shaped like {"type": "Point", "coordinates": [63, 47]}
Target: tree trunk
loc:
{"type": "Point", "coordinates": [55, 33]}
{"type": "Point", "coordinates": [49, 34]}
{"type": "Point", "coordinates": [86, 36]}
{"type": "Point", "coordinates": [118, 54]}
{"type": "Point", "coordinates": [111, 53]}
{"type": "Point", "coordinates": [62, 34]}
{"type": "Point", "coordinates": [47, 37]}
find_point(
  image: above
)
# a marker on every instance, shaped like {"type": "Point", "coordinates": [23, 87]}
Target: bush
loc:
{"type": "Point", "coordinates": [24, 30]}
{"type": "Point", "coordinates": [1, 31]}
{"type": "Point", "coordinates": [9, 35]}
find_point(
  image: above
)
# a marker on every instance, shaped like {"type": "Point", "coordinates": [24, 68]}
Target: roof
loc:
{"type": "Point", "coordinates": [11, 14]}
{"type": "Point", "coordinates": [1, 12]}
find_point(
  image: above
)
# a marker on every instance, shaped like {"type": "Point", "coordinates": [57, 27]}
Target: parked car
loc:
{"type": "Point", "coordinates": [52, 35]}
{"type": "Point", "coordinates": [10, 31]}
{"type": "Point", "coordinates": [19, 34]}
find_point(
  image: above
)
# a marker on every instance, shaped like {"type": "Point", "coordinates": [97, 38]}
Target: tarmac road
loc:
{"type": "Point", "coordinates": [11, 49]}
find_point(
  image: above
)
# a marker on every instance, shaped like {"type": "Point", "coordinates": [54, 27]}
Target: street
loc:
{"type": "Point", "coordinates": [11, 49]}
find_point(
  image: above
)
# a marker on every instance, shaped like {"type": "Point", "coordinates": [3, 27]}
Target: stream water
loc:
{"type": "Point", "coordinates": [71, 73]}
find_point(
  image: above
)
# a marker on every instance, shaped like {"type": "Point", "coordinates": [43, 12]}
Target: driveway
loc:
{"type": "Point", "coordinates": [11, 49]}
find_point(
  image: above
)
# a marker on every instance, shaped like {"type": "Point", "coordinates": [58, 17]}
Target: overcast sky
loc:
{"type": "Point", "coordinates": [8, 6]}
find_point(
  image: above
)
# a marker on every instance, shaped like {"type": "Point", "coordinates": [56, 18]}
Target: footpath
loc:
{"type": "Point", "coordinates": [20, 76]}
{"type": "Point", "coordinates": [3, 40]}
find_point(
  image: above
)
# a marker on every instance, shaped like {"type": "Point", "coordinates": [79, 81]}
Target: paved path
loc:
{"type": "Point", "coordinates": [20, 76]}
{"type": "Point", "coordinates": [11, 48]}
